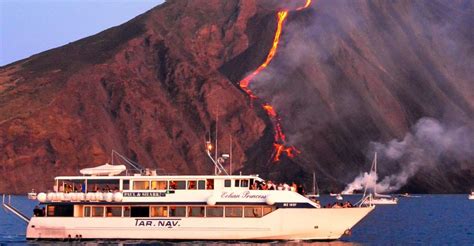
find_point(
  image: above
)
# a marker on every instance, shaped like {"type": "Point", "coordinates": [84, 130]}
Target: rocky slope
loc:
{"type": "Point", "coordinates": [346, 74]}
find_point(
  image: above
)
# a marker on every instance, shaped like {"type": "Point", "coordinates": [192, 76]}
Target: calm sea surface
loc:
{"type": "Point", "coordinates": [428, 219]}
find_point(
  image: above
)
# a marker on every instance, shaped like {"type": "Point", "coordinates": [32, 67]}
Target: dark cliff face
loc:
{"type": "Point", "coordinates": [346, 74]}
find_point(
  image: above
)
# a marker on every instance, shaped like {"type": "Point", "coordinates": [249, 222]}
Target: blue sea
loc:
{"type": "Point", "coordinates": [426, 219]}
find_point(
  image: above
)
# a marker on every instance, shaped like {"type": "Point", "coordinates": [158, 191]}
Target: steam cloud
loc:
{"type": "Point", "coordinates": [422, 148]}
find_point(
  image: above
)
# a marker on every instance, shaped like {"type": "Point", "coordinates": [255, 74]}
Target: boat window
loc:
{"type": "Point", "coordinates": [227, 183]}
{"type": "Point", "coordinates": [103, 185]}
{"type": "Point", "coordinates": [158, 185]}
{"type": "Point", "coordinates": [244, 183]}
{"type": "Point", "coordinates": [113, 211]}
{"type": "Point", "coordinates": [192, 185]}
{"type": "Point", "coordinates": [237, 183]}
{"type": "Point", "coordinates": [159, 211]}
{"type": "Point", "coordinates": [233, 211]}
{"type": "Point", "coordinates": [177, 185]}
{"type": "Point", "coordinates": [210, 184]}
{"type": "Point", "coordinates": [214, 211]}
{"type": "Point", "coordinates": [60, 210]}
{"type": "Point", "coordinates": [126, 211]}
{"type": "Point", "coordinates": [126, 184]}
{"type": "Point", "coordinates": [97, 211]}
{"type": "Point", "coordinates": [253, 212]}
{"type": "Point", "coordinates": [141, 185]}
{"type": "Point", "coordinates": [140, 211]}
{"type": "Point", "coordinates": [176, 211]}
{"type": "Point", "coordinates": [201, 184]}
{"type": "Point", "coordinates": [267, 210]}
{"type": "Point", "coordinates": [87, 211]}
{"type": "Point", "coordinates": [195, 211]}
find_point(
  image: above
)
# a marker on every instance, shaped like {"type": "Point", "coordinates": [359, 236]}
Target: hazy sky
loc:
{"type": "Point", "coordinates": [28, 27]}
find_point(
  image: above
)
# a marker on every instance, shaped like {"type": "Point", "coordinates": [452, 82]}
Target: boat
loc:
{"type": "Point", "coordinates": [339, 197]}
{"type": "Point", "coordinates": [137, 204]}
{"type": "Point", "coordinates": [315, 193]}
{"type": "Point", "coordinates": [32, 195]}
{"type": "Point", "coordinates": [471, 196]}
{"type": "Point", "coordinates": [375, 198]}
{"type": "Point", "coordinates": [407, 195]}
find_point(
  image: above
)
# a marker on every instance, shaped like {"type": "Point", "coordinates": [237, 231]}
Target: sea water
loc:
{"type": "Point", "coordinates": [425, 219]}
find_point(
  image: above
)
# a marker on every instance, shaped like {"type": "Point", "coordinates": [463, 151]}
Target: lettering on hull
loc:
{"type": "Point", "coordinates": [164, 223]}
{"type": "Point", "coordinates": [144, 194]}
{"type": "Point", "coordinates": [242, 195]}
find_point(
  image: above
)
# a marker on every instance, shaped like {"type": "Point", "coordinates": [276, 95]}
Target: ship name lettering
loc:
{"type": "Point", "coordinates": [156, 223]}
{"type": "Point", "coordinates": [245, 194]}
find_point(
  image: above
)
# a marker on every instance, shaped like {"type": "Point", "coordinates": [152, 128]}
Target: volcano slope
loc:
{"type": "Point", "coordinates": [346, 74]}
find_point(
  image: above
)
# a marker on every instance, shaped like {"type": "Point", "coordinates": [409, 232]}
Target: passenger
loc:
{"type": "Point", "coordinates": [336, 205]}
{"type": "Point", "coordinates": [82, 188]}
{"type": "Point", "coordinates": [280, 186]}
{"type": "Point", "coordinates": [300, 189]}
{"type": "Point", "coordinates": [37, 211]}
{"type": "Point", "coordinates": [209, 186]}
{"type": "Point", "coordinates": [294, 187]}
{"type": "Point", "coordinates": [318, 204]}
{"type": "Point", "coordinates": [286, 186]}
{"type": "Point", "coordinates": [270, 185]}
{"type": "Point", "coordinates": [253, 186]}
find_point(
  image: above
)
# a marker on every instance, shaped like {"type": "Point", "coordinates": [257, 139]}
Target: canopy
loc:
{"type": "Point", "coordinates": [106, 169]}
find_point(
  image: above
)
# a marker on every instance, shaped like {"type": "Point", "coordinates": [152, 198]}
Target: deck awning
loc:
{"type": "Point", "coordinates": [104, 170]}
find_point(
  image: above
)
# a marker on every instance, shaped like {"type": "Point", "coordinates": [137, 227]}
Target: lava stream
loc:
{"type": "Point", "coordinates": [280, 145]}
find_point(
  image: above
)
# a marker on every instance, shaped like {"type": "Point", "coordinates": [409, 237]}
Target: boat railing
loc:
{"type": "Point", "coordinates": [364, 199]}
{"type": "Point", "coordinates": [7, 204]}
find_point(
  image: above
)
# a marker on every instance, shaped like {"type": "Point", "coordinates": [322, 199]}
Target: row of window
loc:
{"type": "Point", "coordinates": [112, 185]}
{"type": "Point", "coordinates": [177, 211]}
{"type": "Point", "coordinates": [183, 184]}
{"type": "Point", "coordinates": [171, 185]}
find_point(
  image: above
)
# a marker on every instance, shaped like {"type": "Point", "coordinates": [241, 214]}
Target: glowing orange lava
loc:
{"type": "Point", "coordinates": [246, 81]}
{"type": "Point", "coordinates": [280, 145]}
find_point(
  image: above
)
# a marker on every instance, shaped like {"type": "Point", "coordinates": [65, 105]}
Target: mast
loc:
{"type": "Point", "coordinates": [230, 156]}
{"type": "Point", "coordinates": [375, 170]}
{"type": "Point", "coordinates": [215, 155]}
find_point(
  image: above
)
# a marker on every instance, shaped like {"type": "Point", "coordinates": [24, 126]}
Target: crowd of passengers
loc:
{"type": "Point", "coordinates": [339, 205]}
{"type": "Point", "coordinates": [67, 188]}
{"type": "Point", "coordinates": [269, 185]}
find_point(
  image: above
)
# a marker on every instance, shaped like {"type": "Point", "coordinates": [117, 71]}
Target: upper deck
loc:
{"type": "Point", "coordinates": [140, 182]}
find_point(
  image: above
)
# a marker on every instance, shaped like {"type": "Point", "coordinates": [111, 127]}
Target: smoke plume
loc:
{"type": "Point", "coordinates": [423, 148]}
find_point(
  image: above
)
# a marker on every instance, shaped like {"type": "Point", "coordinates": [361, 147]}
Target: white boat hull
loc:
{"type": "Point", "coordinates": [282, 224]}
{"type": "Point", "coordinates": [471, 197]}
{"type": "Point", "coordinates": [381, 201]}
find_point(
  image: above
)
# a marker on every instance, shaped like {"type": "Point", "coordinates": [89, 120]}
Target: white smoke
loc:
{"type": "Point", "coordinates": [422, 148]}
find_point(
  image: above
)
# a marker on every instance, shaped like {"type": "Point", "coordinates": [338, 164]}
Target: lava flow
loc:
{"type": "Point", "coordinates": [280, 144]}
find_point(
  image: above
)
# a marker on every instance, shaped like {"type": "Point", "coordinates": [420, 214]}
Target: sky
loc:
{"type": "Point", "coordinates": [28, 27]}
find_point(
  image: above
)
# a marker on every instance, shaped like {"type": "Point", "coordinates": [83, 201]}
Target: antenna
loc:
{"type": "Point", "coordinates": [217, 162]}
{"type": "Point", "coordinates": [217, 121]}
{"type": "Point", "coordinates": [230, 157]}
{"type": "Point", "coordinates": [131, 163]}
